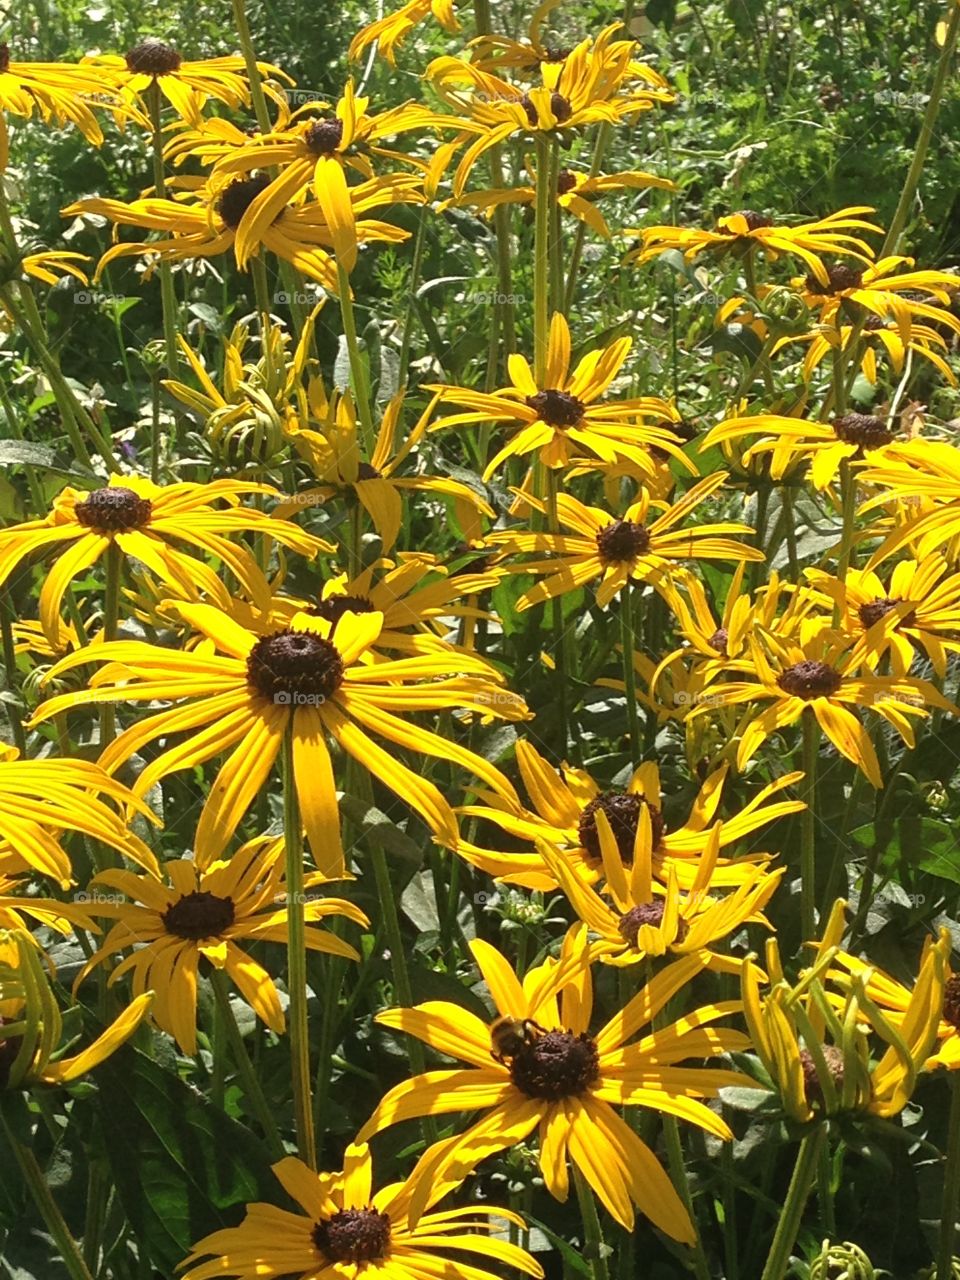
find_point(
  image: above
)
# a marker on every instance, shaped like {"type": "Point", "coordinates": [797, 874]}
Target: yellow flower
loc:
{"type": "Point", "coordinates": [61, 917]}
{"type": "Point", "coordinates": [622, 550]}
{"type": "Point", "coordinates": [882, 289]}
{"type": "Point", "coordinates": [746, 231]}
{"type": "Point", "coordinates": [146, 521]}
{"type": "Point", "coordinates": [392, 30]}
{"type": "Point", "coordinates": [567, 1082]}
{"type": "Point", "coordinates": [566, 803]}
{"type": "Point", "coordinates": [818, 1053]}
{"type": "Point", "coordinates": [566, 418]}
{"type": "Point", "coordinates": [40, 799]}
{"type": "Point", "coordinates": [876, 335]}
{"type": "Point", "coordinates": [202, 914]}
{"type": "Point", "coordinates": [31, 1028]}
{"type": "Point", "coordinates": [924, 470]}
{"type": "Point", "coordinates": [346, 1229]}
{"type": "Point", "coordinates": [242, 692]}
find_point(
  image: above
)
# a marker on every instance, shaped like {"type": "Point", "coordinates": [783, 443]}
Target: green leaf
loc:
{"type": "Point", "coordinates": [662, 13]}
{"type": "Point", "coordinates": [924, 843]}
{"type": "Point", "coordinates": [182, 1168]}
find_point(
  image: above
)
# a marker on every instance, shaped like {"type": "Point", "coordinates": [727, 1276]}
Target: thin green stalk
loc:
{"type": "Point", "coordinates": [70, 1254]}
{"type": "Point", "coordinates": [561, 646]}
{"type": "Point", "coordinates": [951, 1184]}
{"type": "Point", "coordinates": [592, 1234]}
{"type": "Point", "coordinates": [763, 501]}
{"type": "Point", "coordinates": [541, 260]}
{"type": "Point", "coordinates": [909, 191]}
{"type": "Point", "coordinates": [786, 500]}
{"type": "Point", "coordinates": [297, 961]}
{"type": "Point", "coordinates": [358, 371]}
{"type": "Point", "coordinates": [111, 623]}
{"type": "Point", "coordinates": [808, 825]}
{"type": "Point", "coordinates": [259, 1107]}
{"type": "Point", "coordinates": [415, 271]}
{"type": "Point", "coordinates": [788, 1225]}
{"type": "Point", "coordinates": [762, 361]}
{"type": "Point", "coordinates": [848, 499]}
{"type": "Point", "coordinates": [7, 616]}
{"type": "Point", "coordinates": [678, 1173]}
{"type": "Point", "coordinates": [628, 644]}
{"type": "Point", "coordinates": [168, 297]}
{"type": "Point", "coordinates": [825, 1191]}
{"type": "Point", "coordinates": [601, 142]}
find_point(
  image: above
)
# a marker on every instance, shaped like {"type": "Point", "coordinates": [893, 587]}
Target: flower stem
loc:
{"type": "Point", "coordinates": [788, 1225]}
{"type": "Point", "coordinates": [297, 961]}
{"type": "Point", "coordinates": [560, 637]}
{"type": "Point", "coordinates": [808, 825]}
{"type": "Point", "coordinates": [358, 371]}
{"type": "Point", "coordinates": [42, 1196]}
{"type": "Point", "coordinates": [7, 615]}
{"type": "Point", "coordinates": [593, 1236]}
{"type": "Point", "coordinates": [848, 495]}
{"type": "Point", "coordinates": [248, 1077]}
{"type": "Point", "coordinates": [168, 297]}
{"type": "Point", "coordinates": [678, 1172]}
{"type": "Point", "coordinates": [951, 1184]}
{"type": "Point", "coordinates": [923, 140]}
{"type": "Point", "coordinates": [628, 644]}
{"type": "Point", "coordinates": [541, 259]}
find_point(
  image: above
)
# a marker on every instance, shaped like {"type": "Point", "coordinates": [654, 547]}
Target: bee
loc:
{"type": "Point", "coordinates": [509, 1035]}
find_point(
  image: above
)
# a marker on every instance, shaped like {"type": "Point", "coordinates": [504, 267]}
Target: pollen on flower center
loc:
{"type": "Point", "coordinates": [559, 105]}
{"type": "Point", "coordinates": [810, 679]}
{"type": "Point", "coordinates": [353, 1235]}
{"type": "Point", "coordinates": [841, 277]}
{"type": "Point", "coordinates": [294, 668]}
{"type": "Point", "coordinates": [324, 136]}
{"type": "Point", "coordinates": [833, 1058]}
{"type": "Point", "coordinates": [862, 429]}
{"type": "Point", "coordinates": [754, 220]}
{"type": "Point", "coordinates": [874, 610]}
{"type": "Point", "coordinates": [622, 811]}
{"type": "Point", "coordinates": [647, 913]}
{"type": "Point", "coordinates": [557, 1064]}
{"type": "Point", "coordinates": [622, 540]}
{"type": "Point", "coordinates": [951, 1001]}
{"type": "Point", "coordinates": [153, 58]}
{"type": "Point", "coordinates": [557, 408]}
{"type": "Point", "coordinates": [334, 607]}
{"type": "Point", "coordinates": [115, 509]}
{"type": "Point", "coordinates": [238, 196]}
{"type": "Point", "coordinates": [199, 915]}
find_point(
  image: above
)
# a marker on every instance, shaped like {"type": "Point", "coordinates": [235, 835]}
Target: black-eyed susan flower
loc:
{"type": "Point", "coordinates": [614, 551]}
{"type": "Point", "coordinates": [848, 437]}
{"type": "Point", "coordinates": [889, 289]}
{"type": "Point", "coordinates": [345, 1228]}
{"type": "Point", "coordinates": [567, 418]}
{"type": "Point", "coordinates": [748, 230]}
{"type": "Point", "coordinates": [48, 266]}
{"type": "Point", "coordinates": [925, 471]}
{"type": "Point", "coordinates": [379, 482]}
{"type": "Point", "coordinates": [17, 903]}
{"type": "Point", "coordinates": [565, 804]}
{"type": "Point", "coordinates": [819, 1056]}
{"type": "Point", "coordinates": [31, 1026]}
{"type": "Point", "coordinates": [41, 799]}
{"type": "Point", "coordinates": [915, 611]}
{"type": "Point", "coordinates": [877, 336]}
{"type": "Point", "coordinates": [59, 91]}
{"type": "Point", "coordinates": [391, 30]}
{"type": "Point", "coordinates": [567, 1082]}
{"type": "Point", "coordinates": [639, 916]}
{"type": "Point", "coordinates": [187, 915]}
{"type": "Point", "coordinates": [147, 522]}
{"type": "Point", "coordinates": [187, 85]}
{"type": "Point", "coordinates": [241, 692]}
{"type": "Point", "coordinates": [818, 672]}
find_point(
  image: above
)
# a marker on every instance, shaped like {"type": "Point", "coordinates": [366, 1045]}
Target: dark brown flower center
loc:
{"type": "Point", "coordinates": [153, 58]}
{"type": "Point", "coordinates": [4, 58]}
{"type": "Point", "coordinates": [238, 196]}
{"type": "Point", "coordinates": [872, 323]}
{"type": "Point", "coordinates": [719, 640]}
{"type": "Point", "coordinates": [113, 510]}
{"type": "Point", "coordinates": [841, 277]}
{"type": "Point", "coordinates": [862, 429]}
{"type": "Point", "coordinates": [833, 1060]}
{"type": "Point", "coordinates": [353, 1235]}
{"type": "Point", "coordinates": [809, 679]}
{"type": "Point", "coordinates": [566, 181]}
{"type": "Point", "coordinates": [622, 811]}
{"type": "Point", "coordinates": [557, 408]}
{"type": "Point", "coordinates": [874, 610]}
{"type": "Point", "coordinates": [556, 1064]}
{"type": "Point", "coordinates": [555, 54]}
{"type": "Point", "coordinates": [951, 1001]}
{"type": "Point", "coordinates": [622, 540]}
{"type": "Point", "coordinates": [558, 105]}
{"type": "Point", "coordinates": [199, 915]}
{"type": "Point", "coordinates": [294, 668]}
{"type": "Point", "coordinates": [367, 472]}
{"type": "Point", "coordinates": [755, 220]}
{"type": "Point", "coordinates": [334, 607]}
{"type": "Point", "coordinates": [324, 136]}
{"type": "Point", "coordinates": [647, 913]}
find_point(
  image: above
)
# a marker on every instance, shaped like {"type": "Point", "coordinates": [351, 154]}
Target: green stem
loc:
{"type": "Point", "coordinates": [168, 295]}
{"type": "Point", "coordinates": [361, 385]}
{"type": "Point", "coordinates": [111, 622]}
{"type": "Point", "coordinates": [297, 961]}
{"type": "Point", "coordinates": [250, 62]}
{"type": "Point", "coordinates": [951, 1184]}
{"type": "Point", "coordinates": [848, 497]}
{"type": "Point", "coordinates": [561, 646]}
{"type": "Point", "coordinates": [926, 133]}
{"type": "Point", "coordinates": [541, 259]}
{"type": "Point", "coordinates": [7, 615]}
{"type": "Point", "coordinates": [678, 1173]}
{"type": "Point", "coordinates": [253, 1091]}
{"type": "Point", "coordinates": [43, 1198]}
{"type": "Point", "coordinates": [808, 825]}
{"type": "Point", "coordinates": [788, 1225]}
{"type": "Point", "coordinates": [628, 644]}
{"type": "Point", "coordinates": [415, 271]}
{"type": "Point", "coordinates": [592, 1235]}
